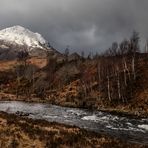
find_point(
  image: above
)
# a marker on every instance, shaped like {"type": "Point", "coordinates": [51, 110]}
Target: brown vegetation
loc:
{"type": "Point", "coordinates": [115, 80]}
{"type": "Point", "coordinates": [17, 132]}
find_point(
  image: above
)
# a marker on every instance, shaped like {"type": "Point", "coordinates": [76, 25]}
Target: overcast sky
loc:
{"type": "Point", "coordinates": [88, 25]}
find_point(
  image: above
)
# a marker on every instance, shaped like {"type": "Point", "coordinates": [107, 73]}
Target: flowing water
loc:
{"type": "Point", "coordinates": [130, 129]}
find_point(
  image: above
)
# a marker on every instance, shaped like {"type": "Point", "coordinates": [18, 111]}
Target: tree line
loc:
{"type": "Point", "coordinates": [116, 70]}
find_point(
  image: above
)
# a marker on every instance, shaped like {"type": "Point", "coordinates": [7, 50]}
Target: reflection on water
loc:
{"type": "Point", "coordinates": [134, 130]}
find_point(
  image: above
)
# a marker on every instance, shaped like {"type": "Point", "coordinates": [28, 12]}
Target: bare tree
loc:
{"type": "Point", "coordinates": [114, 49]}
{"type": "Point", "coordinates": [51, 67]}
{"type": "Point", "coordinates": [22, 57]}
{"type": "Point", "coordinates": [134, 47]}
{"type": "Point", "coordinates": [66, 53]}
{"type": "Point", "coordinates": [99, 77]}
{"type": "Point", "coordinates": [118, 82]}
{"type": "Point", "coordinates": [123, 47]}
{"type": "Point", "coordinates": [108, 88]}
{"type": "Point", "coordinates": [134, 43]}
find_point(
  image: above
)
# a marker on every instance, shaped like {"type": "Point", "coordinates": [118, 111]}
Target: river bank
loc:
{"type": "Point", "coordinates": [125, 110]}
{"type": "Point", "coordinates": [23, 132]}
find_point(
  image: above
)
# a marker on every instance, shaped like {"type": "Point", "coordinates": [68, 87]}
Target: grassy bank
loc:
{"type": "Point", "coordinates": [22, 132]}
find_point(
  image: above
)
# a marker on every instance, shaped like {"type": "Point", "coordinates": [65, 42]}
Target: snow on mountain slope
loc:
{"type": "Point", "coordinates": [22, 36]}
{"type": "Point", "coordinates": [18, 38]}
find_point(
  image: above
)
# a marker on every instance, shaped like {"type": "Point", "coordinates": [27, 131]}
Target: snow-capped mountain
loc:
{"type": "Point", "coordinates": [22, 36]}
{"type": "Point", "coordinates": [18, 38]}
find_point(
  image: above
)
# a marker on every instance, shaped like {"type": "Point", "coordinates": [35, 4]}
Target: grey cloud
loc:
{"type": "Point", "coordinates": [89, 25]}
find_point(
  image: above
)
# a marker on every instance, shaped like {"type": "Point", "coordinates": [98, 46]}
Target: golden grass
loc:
{"type": "Point", "coordinates": [9, 65]}
{"type": "Point", "coordinates": [18, 132]}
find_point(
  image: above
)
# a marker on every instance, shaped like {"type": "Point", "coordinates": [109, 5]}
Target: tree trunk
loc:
{"type": "Point", "coordinates": [133, 67]}
{"type": "Point", "coordinates": [108, 87]}
{"type": "Point", "coordinates": [99, 74]}
{"type": "Point", "coordinates": [126, 68]}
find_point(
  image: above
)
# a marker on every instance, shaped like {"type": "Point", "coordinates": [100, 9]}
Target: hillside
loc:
{"type": "Point", "coordinates": [74, 83]}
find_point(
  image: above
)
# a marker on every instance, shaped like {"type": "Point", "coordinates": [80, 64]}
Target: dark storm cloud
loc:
{"type": "Point", "coordinates": [81, 24]}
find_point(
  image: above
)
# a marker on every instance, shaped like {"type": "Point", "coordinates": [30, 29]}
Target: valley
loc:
{"type": "Point", "coordinates": [114, 82]}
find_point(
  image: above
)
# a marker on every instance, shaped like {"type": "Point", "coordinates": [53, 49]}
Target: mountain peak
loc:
{"type": "Point", "coordinates": [17, 27]}
{"type": "Point", "coordinates": [22, 36]}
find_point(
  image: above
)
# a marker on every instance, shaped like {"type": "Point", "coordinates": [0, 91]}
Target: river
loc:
{"type": "Point", "coordinates": [126, 128]}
